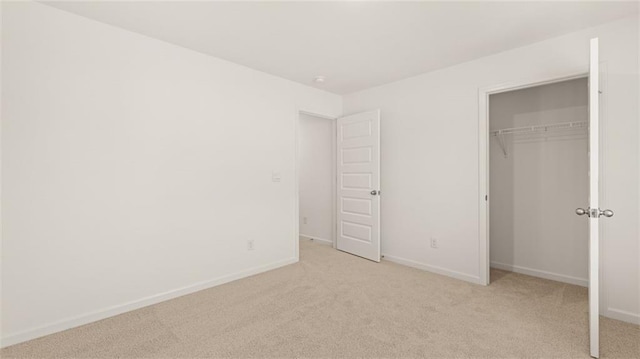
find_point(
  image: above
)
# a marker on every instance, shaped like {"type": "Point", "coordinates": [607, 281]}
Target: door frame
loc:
{"type": "Point", "coordinates": [484, 259]}
{"type": "Point", "coordinates": [296, 194]}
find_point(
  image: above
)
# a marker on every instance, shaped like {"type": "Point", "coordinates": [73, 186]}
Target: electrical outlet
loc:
{"type": "Point", "coordinates": [304, 220]}
{"type": "Point", "coordinates": [434, 243]}
{"type": "Point", "coordinates": [250, 245]}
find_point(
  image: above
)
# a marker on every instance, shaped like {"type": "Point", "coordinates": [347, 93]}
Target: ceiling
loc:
{"type": "Point", "coordinates": [354, 44]}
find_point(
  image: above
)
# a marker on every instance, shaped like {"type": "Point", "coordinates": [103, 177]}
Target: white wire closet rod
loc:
{"type": "Point", "coordinates": [499, 134]}
{"type": "Point", "coordinates": [539, 128]}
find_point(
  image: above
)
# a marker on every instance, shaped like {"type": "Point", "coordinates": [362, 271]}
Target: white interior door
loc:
{"type": "Point", "coordinates": [593, 211]}
{"type": "Point", "coordinates": [358, 192]}
{"type": "Point", "coordinates": [594, 240]}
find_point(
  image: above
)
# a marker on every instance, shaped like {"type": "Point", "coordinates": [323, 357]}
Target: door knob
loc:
{"type": "Point", "coordinates": [374, 192]}
{"type": "Point", "coordinates": [594, 213]}
{"type": "Point", "coordinates": [606, 213]}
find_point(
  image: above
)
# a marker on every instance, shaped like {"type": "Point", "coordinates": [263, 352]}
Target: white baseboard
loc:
{"type": "Point", "coordinates": [541, 274]}
{"type": "Point", "coordinates": [314, 238]}
{"type": "Point", "coordinates": [136, 304]}
{"type": "Point", "coordinates": [622, 315]}
{"type": "Point", "coordinates": [433, 269]}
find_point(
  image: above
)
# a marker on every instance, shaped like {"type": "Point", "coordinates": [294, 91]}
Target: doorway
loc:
{"type": "Point", "coordinates": [316, 178]}
{"type": "Point", "coordinates": [485, 140]}
{"type": "Point", "coordinates": [539, 164]}
{"type": "Point", "coordinates": [338, 182]}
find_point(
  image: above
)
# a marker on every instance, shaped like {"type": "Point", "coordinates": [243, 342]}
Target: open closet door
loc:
{"type": "Point", "coordinates": [593, 211]}
{"type": "Point", "coordinates": [358, 171]}
{"type": "Point", "coordinates": [594, 240]}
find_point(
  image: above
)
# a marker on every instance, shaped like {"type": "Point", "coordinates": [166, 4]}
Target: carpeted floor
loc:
{"type": "Point", "coordinates": [332, 304]}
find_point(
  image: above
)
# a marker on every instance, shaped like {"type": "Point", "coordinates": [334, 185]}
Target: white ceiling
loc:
{"type": "Point", "coordinates": [355, 45]}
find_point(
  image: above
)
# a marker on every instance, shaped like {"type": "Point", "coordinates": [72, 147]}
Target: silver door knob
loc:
{"type": "Point", "coordinates": [374, 192]}
{"type": "Point", "coordinates": [606, 213]}
{"type": "Point", "coordinates": [581, 211]}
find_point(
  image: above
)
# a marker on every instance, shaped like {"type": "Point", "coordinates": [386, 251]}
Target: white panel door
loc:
{"type": "Point", "coordinates": [594, 240]}
{"type": "Point", "coordinates": [358, 171]}
{"type": "Point", "coordinates": [593, 211]}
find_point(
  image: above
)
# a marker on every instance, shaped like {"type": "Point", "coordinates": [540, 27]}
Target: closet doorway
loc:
{"type": "Point", "coordinates": [539, 165]}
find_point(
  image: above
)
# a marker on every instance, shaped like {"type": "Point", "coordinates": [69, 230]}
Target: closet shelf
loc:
{"type": "Point", "coordinates": [538, 128]}
{"type": "Point", "coordinates": [499, 134]}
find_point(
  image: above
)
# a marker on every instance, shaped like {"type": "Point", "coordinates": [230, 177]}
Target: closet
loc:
{"type": "Point", "coordinates": [538, 177]}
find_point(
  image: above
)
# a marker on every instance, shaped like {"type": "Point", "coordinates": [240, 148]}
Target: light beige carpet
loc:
{"type": "Point", "coordinates": [332, 304]}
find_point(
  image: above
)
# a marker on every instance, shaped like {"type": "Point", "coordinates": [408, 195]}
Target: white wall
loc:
{"type": "Point", "coordinates": [135, 170]}
{"type": "Point", "coordinates": [430, 156]}
{"type": "Point", "coordinates": [316, 161]}
{"type": "Point", "coordinates": [535, 189]}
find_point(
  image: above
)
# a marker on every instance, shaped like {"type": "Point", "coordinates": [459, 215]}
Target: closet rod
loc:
{"type": "Point", "coordinates": [538, 128]}
{"type": "Point", "coordinates": [499, 134]}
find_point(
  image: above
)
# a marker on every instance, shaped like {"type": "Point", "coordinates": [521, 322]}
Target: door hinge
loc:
{"type": "Point", "coordinates": [486, 197]}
